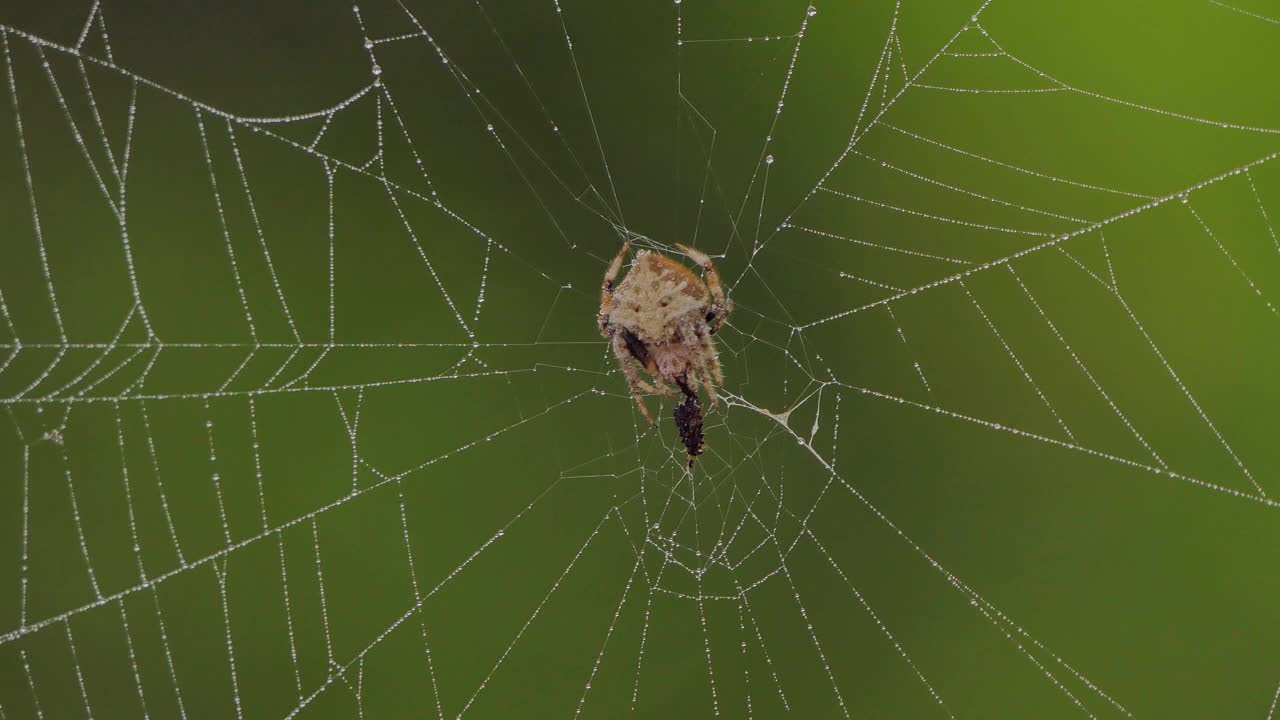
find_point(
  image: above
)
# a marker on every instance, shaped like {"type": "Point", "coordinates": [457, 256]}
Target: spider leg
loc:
{"type": "Point", "coordinates": [711, 391]}
{"type": "Point", "coordinates": [720, 306]}
{"type": "Point", "coordinates": [656, 389]}
{"type": "Point", "coordinates": [633, 377]}
{"type": "Point", "coordinates": [712, 360]}
{"type": "Point", "coordinates": [708, 368]}
{"type": "Point", "coordinates": [693, 379]}
{"type": "Point", "coordinates": [607, 287]}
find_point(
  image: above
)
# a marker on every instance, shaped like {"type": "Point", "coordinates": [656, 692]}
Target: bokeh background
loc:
{"type": "Point", "coordinates": [306, 413]}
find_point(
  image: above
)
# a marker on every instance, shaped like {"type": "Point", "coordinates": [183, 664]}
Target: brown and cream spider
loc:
{"type": "Point", "coordinates": [661, 318]}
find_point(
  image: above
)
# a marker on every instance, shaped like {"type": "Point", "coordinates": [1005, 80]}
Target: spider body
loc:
{"type": "Point", "coordinates": [661, 317]}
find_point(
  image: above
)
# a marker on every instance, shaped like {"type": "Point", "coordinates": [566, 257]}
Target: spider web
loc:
{"type": "Point", "coordinates": [307, 416]}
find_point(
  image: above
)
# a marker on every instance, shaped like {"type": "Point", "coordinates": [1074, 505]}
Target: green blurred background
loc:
{"type": "Point", "coordinates": [306, 411]}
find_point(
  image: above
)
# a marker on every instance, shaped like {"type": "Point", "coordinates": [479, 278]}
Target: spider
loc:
{"type": "Point", "coordinates": [661, 318]}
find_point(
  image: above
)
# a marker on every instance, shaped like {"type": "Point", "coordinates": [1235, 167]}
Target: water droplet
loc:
{"type": "Point", "coordinates": [812, 11]}
{"type": "Point", "coordinates": [677, 2]}
{"type": "Point", "coordinates": [769, 160]}
{"type": "Point", "coordinates": [368, 44]}
{"type": "Point", "coordinates": [489, 128]}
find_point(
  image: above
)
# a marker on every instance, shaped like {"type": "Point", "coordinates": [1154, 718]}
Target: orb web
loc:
{"type": "Point", "coordinates": [307, 415]}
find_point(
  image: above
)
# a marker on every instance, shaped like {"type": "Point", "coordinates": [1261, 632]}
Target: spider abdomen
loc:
{"type": "Point", "coordinates": [657, 296]}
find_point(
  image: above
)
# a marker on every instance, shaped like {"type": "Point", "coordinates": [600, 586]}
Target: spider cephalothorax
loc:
{"type": "Point", "coordinates": [661, 317]}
